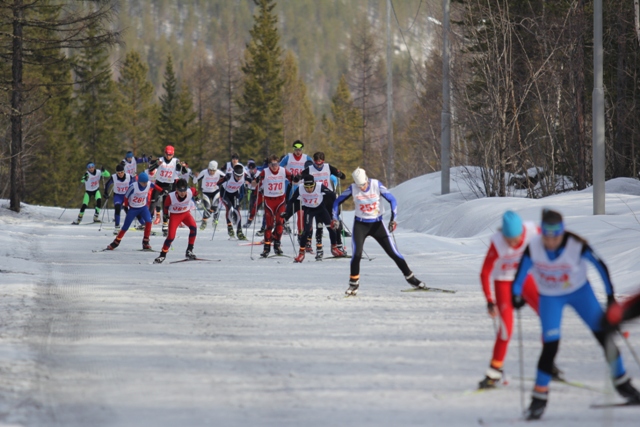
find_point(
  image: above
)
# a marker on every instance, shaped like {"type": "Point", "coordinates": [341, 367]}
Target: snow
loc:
{"type": "Point", "coordinates": [110, 339]}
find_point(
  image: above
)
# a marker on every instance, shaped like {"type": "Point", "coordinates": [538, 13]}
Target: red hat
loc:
{"type": "Point", "coordinates": [169, 150]}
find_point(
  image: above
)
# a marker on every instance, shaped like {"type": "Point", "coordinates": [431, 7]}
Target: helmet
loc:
{"type": "Point", "coordinates": [168, 150]}
{"type": "Point", "coordinates": [91, 165]}
{"type": "Point", "coordinates": [213, 165]}
{"type": "Point", "coordinates": [359, 176]}
{"type": "Point", "coordinates": [120, 168]}
{"type": "Point", "coordinates": [129, 155]}
{"type": "Point", "coordinates": [143, 177]}
{"type": "Point", "coordinates": [182, 185]}
{"type": "Point", "coordinates": [238, 170]}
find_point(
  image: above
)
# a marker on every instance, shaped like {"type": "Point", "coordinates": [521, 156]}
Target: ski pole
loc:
{"type": "Point", "coordinates": [254, 231]}
{"type": "Point", "coordinates": [520, 360]}
{"type": "Point", "coordinates": [70, 200]}
{"type": "Point", "coordinates": [106, 205]}
{"type": "Point", "coordinates": [363, 251]}
{"type": "Point", "coordinates": [631, 349]}
{"type": "Point", "coordinates": [215, 217]}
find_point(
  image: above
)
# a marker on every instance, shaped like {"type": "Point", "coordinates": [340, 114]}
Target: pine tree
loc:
{"type": "Point", "coordinates": [261, 103]}
{"type": "Point", "coordinates": [343, 130]}
{"type": "Point", "coordinates": [298, 118]}
{"type": "Point", "coordinates": [176, 119]}
{"type": "Point", "coordinates": [167, 128]}
{"type": "Point", "coordinates": [97, 119]}
{"type": "Point", "coordinates": [136, 104]}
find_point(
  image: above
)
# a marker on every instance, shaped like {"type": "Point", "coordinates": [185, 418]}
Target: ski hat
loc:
{"type": "Point", "coordinates": [238, 170]}
{"type": "Point", "coordinates": [169, 150]}
{"type": "Point", "coordinates": [359, 177]}
{"type": "Point", "coordinates": [309, 181]}
{"type": "Point", "coordinates": [143, 177]}
{"type": "Point", "coordinates": [91, 165]}
{"type": "Point", "coordinates": [511, 224]}
{"type": "Point", "coordinates": [129, 155]}
{"type": "Point", "coordinates": [251, 163]}
{"type": "Point", "coordinates": [120, 167]}
{"type": "Point", "coordinates": [182, 185]}
{"type": "Point", "coordinates": [297, 144]}
{"type": "Point", "coordinates": [213, 165]}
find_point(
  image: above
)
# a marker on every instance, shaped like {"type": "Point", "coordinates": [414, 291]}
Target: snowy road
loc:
{"type": "Point", "coordinates": [108, 339]}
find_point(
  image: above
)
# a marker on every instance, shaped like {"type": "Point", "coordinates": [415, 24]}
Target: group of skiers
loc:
{"type": "Point", "coordinates": [542, 265]}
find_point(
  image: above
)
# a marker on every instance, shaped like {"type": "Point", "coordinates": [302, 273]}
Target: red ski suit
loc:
{"type": "Point", "coordinates": [177, 218]}
{"type": "Point", "coordinates": [272, 193]}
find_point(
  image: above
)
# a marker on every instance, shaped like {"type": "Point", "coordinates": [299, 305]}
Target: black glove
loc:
{"type": "Point", "coordinates": [122, 162]}
{"type": "Point", "coordinates": [517, 301]}
{"type": "Point", "coordinates": [611, 300]}
{"type": "Point", "coordinates": [392, 226]}
{"type": "Point", "coordinates": [86, 176]}
{"type": "Point", "coordinates": [296, 178]}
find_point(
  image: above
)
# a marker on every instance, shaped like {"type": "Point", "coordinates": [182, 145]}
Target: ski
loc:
{"type": "Point", "coordinates": [446, 291]}
{"type": "Point", "coordinates": [146, 250]}
{"type": "Point", "coordinates": [86, 223]}
{"type": "Point", "coordinates": [571, 384]}
{"type": "Point", "coordinates": [99, 250]}
{"type": "Point", "coordinates": [276, 256]}
{"type": "Point", "coordinates": [194, 259]}
{"type": "Point", "coordinates": [251, 244]}
{"type": "Point", "coordinates": [338, 257]}
{"type": "Point", "coordinates": [613, 405]}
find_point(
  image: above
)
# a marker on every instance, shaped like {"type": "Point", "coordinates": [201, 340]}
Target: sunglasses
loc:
{"type": "Point", "coordinates": [274, 164]}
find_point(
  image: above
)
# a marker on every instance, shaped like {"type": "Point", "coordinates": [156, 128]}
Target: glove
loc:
{"type": "Point", "coordinates": [517, 301]}
{"type": "Point", "coordinates": [85, 177]}
{"type": "Point", "coordinates": [392, 226]}
{"type": "Point", "coordinates": [335, 224]}
{"type": "Point", "coordinates": [491, 309]}
{"type": "Point", "coordinates": [123, 163]}
{"type": "Point", "coordinates": [165, 193]}
{"type": "Point", "coordinates": [610, 300]}
{"type": "Point", "coordinates": [248, 223]}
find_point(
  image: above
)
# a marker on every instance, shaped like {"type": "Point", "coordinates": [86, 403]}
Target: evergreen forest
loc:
{"type": "Point", "coordinates": [87, 81]}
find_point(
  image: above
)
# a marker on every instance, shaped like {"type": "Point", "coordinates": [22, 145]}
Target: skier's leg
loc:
{"type": "Point", "coordinates": [381, 234]}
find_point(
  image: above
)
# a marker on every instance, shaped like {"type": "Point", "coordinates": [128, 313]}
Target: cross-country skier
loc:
{"type": "Point", "coordinates": [178, 205]}
{"type": "Point", "coordinates": [295, 163]}
{"type": "Point", "coordinates": [235, 160]}
{"type": "Point", "coordinates": [313, 201]}
{"type": "Point", "coordinates": [273, 183]}
{"type": "Point", "coordinates": [168, 169]}
{"type": "Point", "coordinates": [368, 222]}
{"type": "Point", "coordinates": [232, 192]}
{"type": "Point", "coordinates": [91, 180]}
{"type": "Point", "coordinates": [137, 198]}
{"type": "Point", "coordinates": [322, 172]}
{"type": "Point", "coordinates": [120, 182]}
{"type": "Point", "coordinates": [501, 262]}
{"type": "Point", "coordinates": [208, 181]}
{"type": "Point", "coordinates": [558, 260]}
{"type": "Point", "coordinates": [130, 163]}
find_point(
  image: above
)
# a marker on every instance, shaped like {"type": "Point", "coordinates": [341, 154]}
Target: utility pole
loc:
{"type": "Point", "coordinates": [390, 150]}
{"type": "Point", "coordinates": [598, 113]}
{"type": "Point", "coordinates": [445, 122]}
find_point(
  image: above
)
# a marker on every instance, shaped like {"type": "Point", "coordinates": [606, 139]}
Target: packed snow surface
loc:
{"type": "Point", "coordinates": [110, 339]}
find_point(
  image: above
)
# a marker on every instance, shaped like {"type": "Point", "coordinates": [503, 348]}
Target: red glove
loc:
{"type": "Point", "coordinates": [335, 224]}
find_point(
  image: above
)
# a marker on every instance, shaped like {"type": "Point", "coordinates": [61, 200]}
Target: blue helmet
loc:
{"type": "Point", "coordinates": [143, 177]}
{"type": "Point", "coordinates": [129, 155]}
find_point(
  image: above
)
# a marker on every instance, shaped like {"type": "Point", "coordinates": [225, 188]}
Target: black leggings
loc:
{"type": "Point", "coordinates": [322, 217]}
{"type": "Point", "coordinates": [377, 230]}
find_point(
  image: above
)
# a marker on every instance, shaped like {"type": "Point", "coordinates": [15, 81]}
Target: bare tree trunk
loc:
{"type": "Point", "coordinates": [636, 4]}
{"type": "Point", "coordinates": [16, 109]}
{"type": "Point", "coordinates": [580, 137]}
{"type": "Point", "coordinates": [620, 144]}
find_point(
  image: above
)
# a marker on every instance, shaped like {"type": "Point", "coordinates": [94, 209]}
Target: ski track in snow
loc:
{"type": "Point", "coordinates": [109, 339]}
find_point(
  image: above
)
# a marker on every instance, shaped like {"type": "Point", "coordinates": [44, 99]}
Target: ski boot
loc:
{"type": "Point", "coordinates": [240, 234]}
{"type": "Point", "coordinates": [413, 281]}
{"type": "Point", "coordinates": [626, 390]}
{"type": "Point", "coordinates": [113, 245]}
{"type": "Point", "coordinates": [492, 379]}
{"type": "Point", "coordinates": [96, 218]}
{"type": "Point", "coordinates": [157, 218]}
{"type": "Point", "coordinates": [277, 249]}
{"type": "Point", "coordinates": [230, 230]}
{"type": "Point", "coordinates": [203, 224]}
{"type": "Point", "coordinates": [165, 229]}
{"type": "Point", "coordinates": [354, 284]}
{"type": "Point", "coordinates": [260, 232]}
{"type": "Point", "coordinates": [267, 249]}
{"type": "Point", "coordinates": [537, 406]}
{"type": "Point", "coordinates": [319, 252]}
{"type": "Point", "coordinates": [338, 251]}
{"type": "Point", "coordinates": [189, 253]}
{"type": "Point", "coordinates": [146, 246]}
{"type": "Point", "coordinates": [116, 230]}
{"type": "Point", "coordinates": [308, 248]}
{"type": "Point", "coordinates": [161, 258]}
{"type": "Point", "coordinates": [557, 374]}
{"type": "Point", "coordinates": [77, 221]}
{"type": "Point", "coordinates": [300, 256]}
